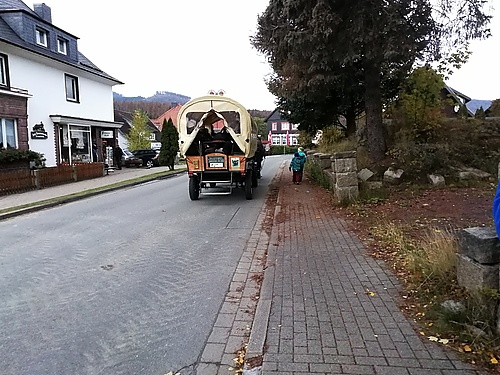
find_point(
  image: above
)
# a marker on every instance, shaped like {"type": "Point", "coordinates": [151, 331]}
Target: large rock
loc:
{"type": "Point", "coordinates": [473, 275]}
{"type": "Point", "coordinates": [393, 176]}
{"type": "Point", "coordinates": [473, 174]}
{"type": "Point", "coordinates": [480, 244]}
{"type": "Point", "coordinates": [436, 179]}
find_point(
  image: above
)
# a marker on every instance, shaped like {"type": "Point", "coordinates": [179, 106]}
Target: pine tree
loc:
{"type": "Point", "coordinates": [169, 144]}
{"type": "Point", "coordinates": [463, 112]}
{"type": "Point", "coordinates": [480, 113]}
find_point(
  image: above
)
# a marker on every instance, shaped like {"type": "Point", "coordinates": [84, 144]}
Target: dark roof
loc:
{"type": "Point", "coordinates": [127, 117]}
{"type": "Point", "coordinates": [454, 92]}
{"type": "Point", "coordinates": [15, 5]}
{"type": "Point", "coordinates": [271, 115]}
{"type": "Point", "coordinates": [8, 35]}
{"type": "Point", "coordinates": [457, 95]}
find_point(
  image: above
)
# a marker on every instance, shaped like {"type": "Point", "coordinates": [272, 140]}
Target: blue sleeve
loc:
{"type": "Point", "coordinates": [496, 210]}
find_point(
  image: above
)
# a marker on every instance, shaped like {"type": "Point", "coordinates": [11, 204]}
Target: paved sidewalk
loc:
{"type": "Point", "coordinates": [38, 199]}
{"type": "Point", "coordinates": [332, 308]}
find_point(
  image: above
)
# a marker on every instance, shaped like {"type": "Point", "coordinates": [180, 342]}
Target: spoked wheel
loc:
{"type": "Point", "coordinates": [248, 185]}
{"type": "Point", "coordinates": [194, 189]}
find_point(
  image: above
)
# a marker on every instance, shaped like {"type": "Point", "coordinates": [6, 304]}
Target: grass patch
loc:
{"type": "Point", "coordinates": [318, 176]}
{"type": "Point", "coordinates": [428, 268]}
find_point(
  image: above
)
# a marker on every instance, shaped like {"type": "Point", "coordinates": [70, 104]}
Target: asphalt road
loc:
{"type": "Point", "coordinates": [128, 282]}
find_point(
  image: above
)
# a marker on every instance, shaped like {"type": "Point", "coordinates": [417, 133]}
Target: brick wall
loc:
{"type": "Point", "coordinates": [17, 108]}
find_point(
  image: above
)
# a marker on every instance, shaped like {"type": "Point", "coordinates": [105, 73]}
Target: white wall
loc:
{"type": "Point", "coordinates": [44, 80]}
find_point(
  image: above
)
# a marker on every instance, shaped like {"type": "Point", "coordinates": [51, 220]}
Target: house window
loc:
{"type": "Point", "coordinates": [8, 133]}
{"type": "Point", "coordinates": [4, 76]}
{"type": "Point", "coordinates": [295, 126]}
{"type": "Point", "coordinates": [72, 94]}
{"type": "Point", "coordinates": [274, 126]}
{"type": "Point", "coordinates": [285, 126]}
{"type": "Point", "coordinates": [41, 37]}
{"type": "Point", "coordinates": [62, 46]}
{"type": "Point", "coordinates": [152, 137]}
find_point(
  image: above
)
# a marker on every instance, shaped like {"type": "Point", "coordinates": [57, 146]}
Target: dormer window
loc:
{"type": "Point", "coordinates": [41, 37]}
{"type": "Point", "coordinates": [62, 46]}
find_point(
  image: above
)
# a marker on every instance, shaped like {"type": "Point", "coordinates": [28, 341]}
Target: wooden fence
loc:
{"type": "Point", "coordinates": [16, 181]}
{"type": "Point", "coordinates": [19, 181]}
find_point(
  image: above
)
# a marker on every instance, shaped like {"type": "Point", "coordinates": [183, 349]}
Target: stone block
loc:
{"type": "Point", "coordinates": [333, 177]}
{"type": "Point", "coordinates": [473, 275]}
{"type": "Point", "coordinates": [374, 185]}
{"type": "Point", "coordinates": [480, 244]}
{"type": "Point", "coordinates": [346, 179]}
{"type": "Point", "coordinates": [365, 174]}
{"type": "Point", "coordinates": [324, 161]}
{"type": "Point", "coordinates": [345, 155]}
{"type": "Point", "coordinates": [332, 161]}
{"type": "Point", "coordinates": [347, 194]}
{"type": "Point", "coordinates": [345, 165]}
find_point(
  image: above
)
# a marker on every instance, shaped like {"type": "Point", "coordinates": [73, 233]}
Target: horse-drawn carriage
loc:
{"type": "Point", "coordinates": [218, 140]}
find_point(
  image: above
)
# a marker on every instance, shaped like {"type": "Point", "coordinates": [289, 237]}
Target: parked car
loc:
{"type": "Point", "coordinates": [130, 160]}
{"type": "Point", "coordinates": [148, 156]}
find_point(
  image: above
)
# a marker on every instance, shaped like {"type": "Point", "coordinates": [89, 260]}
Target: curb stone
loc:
{"type": "Point", "coordinates": [242, 313]}
{"type": "Point", "coordinates": [256, 344]}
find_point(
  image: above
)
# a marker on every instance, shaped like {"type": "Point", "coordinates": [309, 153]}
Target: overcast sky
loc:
{"type": "Point", "coordinates": [192, 46]}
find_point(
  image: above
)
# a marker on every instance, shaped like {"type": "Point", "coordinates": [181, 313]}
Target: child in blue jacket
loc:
{"type": "Point", "coordinates": [296, 165]}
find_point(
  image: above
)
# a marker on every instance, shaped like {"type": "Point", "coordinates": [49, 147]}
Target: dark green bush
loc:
{"type": "Point", "coordinates": [281, 150]}
{"type": "Point", "coordinates": [458, 143]}
{"type": "Point", "coordinates": [12, 155]}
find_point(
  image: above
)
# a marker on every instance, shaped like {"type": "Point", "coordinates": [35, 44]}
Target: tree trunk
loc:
{"type": "Point", "coordinates": [373, 109]}
{"type": "Point", "coordinates": [350, 117]}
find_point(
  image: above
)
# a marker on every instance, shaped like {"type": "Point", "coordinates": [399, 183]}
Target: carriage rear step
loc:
{"type": "Point", "coordinates": [217, 193]}
{"type": "Point", "coordinates": [216, 182]}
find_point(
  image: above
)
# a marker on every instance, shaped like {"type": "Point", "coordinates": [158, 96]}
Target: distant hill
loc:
{"type": "Point", "coordinates": [475, 104]}
{"type": "Point", "coordinates": [159, 96]}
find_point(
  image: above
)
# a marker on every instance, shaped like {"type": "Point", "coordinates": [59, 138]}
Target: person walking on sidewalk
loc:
{"type": "Point", "coordinates": [302, 154]}
{"type": "Point", "coordinates": [296, 165]}
{"type": "Point", "coordinates": [118, 154]}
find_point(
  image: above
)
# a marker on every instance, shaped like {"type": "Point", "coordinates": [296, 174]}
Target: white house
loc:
{"type": "Point", "coordinates": [53, 99]}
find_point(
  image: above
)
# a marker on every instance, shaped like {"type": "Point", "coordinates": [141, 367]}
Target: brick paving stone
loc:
{"type": "Point", "coordinates": [212, 353]}
{"type": "Point", "coordinates": [322, 318]}
{"type": "Point", "coordinates": [321, 277]}
{"type": "Point", "coordinates": [207, 369]}
{"type": "Point", "coordinates": [386, 370]}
